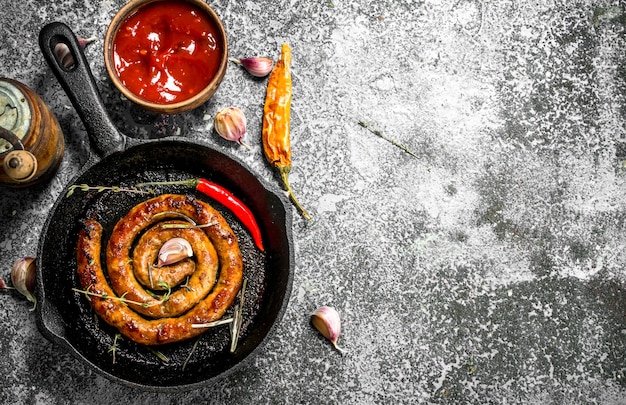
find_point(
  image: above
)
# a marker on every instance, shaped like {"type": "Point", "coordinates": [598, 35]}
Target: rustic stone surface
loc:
{"type": "Point", "coordinates": [488, 267]}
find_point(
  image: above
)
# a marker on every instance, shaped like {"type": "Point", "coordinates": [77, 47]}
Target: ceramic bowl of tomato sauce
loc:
{"type": "Point", "coordinates": [168, 56]}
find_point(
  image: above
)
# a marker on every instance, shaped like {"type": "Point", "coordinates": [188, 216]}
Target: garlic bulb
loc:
{"type": "Point", "coordinates": [230, 123]}
{"type": "Point", "coordinates": [256, 66]}
{"type": "Point", "coordinates": [326, 320]}
{"type": "Point", "coordinates": [23, 275]}
{"type": "Point", "coordinates": [173, 251]}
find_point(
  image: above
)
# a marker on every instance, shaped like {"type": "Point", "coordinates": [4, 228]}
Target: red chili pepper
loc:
{"type": "Point", "coordinates": [238, 208]}
{"type": "Point", "coordinates": [224, 197]}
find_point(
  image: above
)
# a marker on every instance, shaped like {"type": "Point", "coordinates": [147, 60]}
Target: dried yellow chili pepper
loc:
{"type": "Point", "coordinates": [277, 122]}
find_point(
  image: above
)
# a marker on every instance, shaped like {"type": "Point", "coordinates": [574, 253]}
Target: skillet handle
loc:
{"type": "Point", "coordinates": [74, 75]}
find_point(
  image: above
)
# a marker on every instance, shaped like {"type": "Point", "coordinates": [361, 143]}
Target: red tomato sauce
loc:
{"type": "Point", "coordinates": [167, 51]}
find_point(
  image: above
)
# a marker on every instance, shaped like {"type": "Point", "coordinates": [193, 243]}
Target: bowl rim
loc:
{"type": "Point", "coordinates": [193, 102]}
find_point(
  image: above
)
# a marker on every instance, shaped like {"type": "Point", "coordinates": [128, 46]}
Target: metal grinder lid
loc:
{"type": "Point", "coordinates": [15, 113]}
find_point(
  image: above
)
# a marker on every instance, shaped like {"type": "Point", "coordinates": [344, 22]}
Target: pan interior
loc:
{"type": "Point", "coordinates": [197, 360]}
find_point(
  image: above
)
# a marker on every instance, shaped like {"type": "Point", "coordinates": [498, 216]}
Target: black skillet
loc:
{"type": "Point", "coordinates": [65, 317]}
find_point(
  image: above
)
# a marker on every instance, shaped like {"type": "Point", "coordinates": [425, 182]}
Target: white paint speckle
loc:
{"type": "Point", "coordinates": [328, 202]}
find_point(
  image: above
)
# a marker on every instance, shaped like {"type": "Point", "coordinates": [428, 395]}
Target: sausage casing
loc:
{"type": "Point", "coordinates": [157, 326]}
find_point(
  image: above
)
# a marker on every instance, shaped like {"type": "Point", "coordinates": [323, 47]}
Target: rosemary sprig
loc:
{"type": "Point", "coordinates": [238, 315]}
{"type": "Point", "coordinates": [201, 326]}
{"type": "Point", "coordinates": [150, 275]}
{"type": "Point", "coordinates": [159, 355]}
{"type": "Point", "coordinates": [212, 324]}
{"type": "Point", "coordinates": [99, 189]}
{"type": "Point", "coordinates": [187, 183]}
{"type": "Point", "coordinates": [386, 138]}
{"type": "Point", "coordinates": [187, 226]}
{"type": "Point", "coordinates": [193, 349]}
{"type": "Point", "coordinates": [174, 214]}
{"type": "Point", "coordinates": [186, 285]}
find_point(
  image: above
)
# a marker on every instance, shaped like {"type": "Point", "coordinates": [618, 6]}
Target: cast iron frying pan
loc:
{"type": "Point", "coordinates": [65, 317]}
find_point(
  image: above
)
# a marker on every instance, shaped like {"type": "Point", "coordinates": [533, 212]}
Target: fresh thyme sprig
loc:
{"type": "Point", "coordinates": [113, 348]}
{"type": "Point", "coordinates": [123, 298]}
{"type": "Point", "coordinates": [164, 297]}
{"type": "Point", "coordinates": [386, 138]}
{"type": "Point", "coordinates": [166, 286]}
{"type": "Point", "coordinates": [106, 296]}
{"type": "Point", "coordinates": [99, 189]}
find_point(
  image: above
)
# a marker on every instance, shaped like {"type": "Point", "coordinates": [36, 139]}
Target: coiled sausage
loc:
{"type": "Point", "coordinates": [155, 328]}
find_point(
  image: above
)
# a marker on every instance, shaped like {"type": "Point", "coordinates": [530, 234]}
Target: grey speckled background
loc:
{"type": "Point", "coordinates": [488, 269]}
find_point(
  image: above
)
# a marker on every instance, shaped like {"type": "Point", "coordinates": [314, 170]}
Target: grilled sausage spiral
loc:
{"type": "Point", "coordinates": [137, 313]}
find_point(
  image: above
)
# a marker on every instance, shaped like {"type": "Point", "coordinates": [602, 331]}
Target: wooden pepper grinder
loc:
{"type": "Point", "coordinates": [31, 140]}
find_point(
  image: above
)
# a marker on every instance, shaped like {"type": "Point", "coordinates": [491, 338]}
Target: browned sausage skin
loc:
{"type": "Point", "coordinates": [123, 272]}
{"type": "Point", "coordinates": [131, 324]}
{"type": "Point", "coordinates": [146, 252]}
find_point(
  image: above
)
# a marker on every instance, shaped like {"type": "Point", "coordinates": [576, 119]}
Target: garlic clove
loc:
{"type": "Point", "coordinates": [173, 251]}
{"type": "Point", "coordinates": [23, 274]}
{"type": "Point", "coordinates": [83, 42]}
{"type": "Point", "coordinates": [326, 320]}
{"type": "Point", "coordinates": [230, 123]}
{"type": "Point", "coordinates": [64, 55]}
{"type": "Point", "coordinates": [256, 66]}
